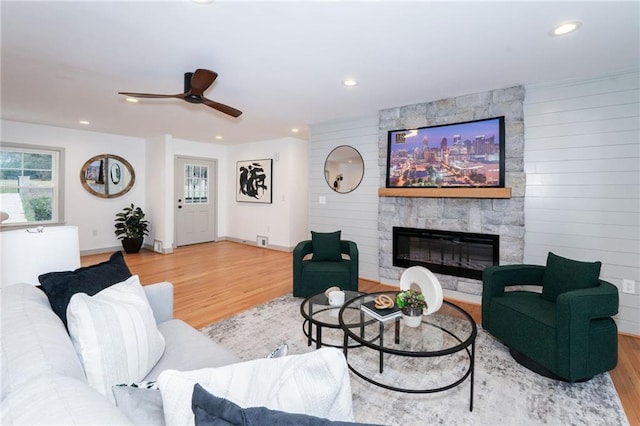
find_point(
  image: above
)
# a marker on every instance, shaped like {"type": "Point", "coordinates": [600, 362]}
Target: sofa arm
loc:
{"type": "Point", "coordinates": [302, 249]}
{"type": "Point", "coordinates": [496, 278]}
{"type": "Point", "coordinates": [351, 248]}
{"type": "Point", "coordinates": [575, 311]}
{"type": "Point", "coordinates": [160, 297]}
{"type": "Point", "coordinates": [576, 308]}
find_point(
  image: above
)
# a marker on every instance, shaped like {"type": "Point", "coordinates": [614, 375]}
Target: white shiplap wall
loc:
{"type": "Point", "coordinates": [582, 160]}
{"type": "Point", "coordinates": [355, 213]}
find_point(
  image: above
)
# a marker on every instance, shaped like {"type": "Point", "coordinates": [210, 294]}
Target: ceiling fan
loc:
{"type": "Point", "coordinates": [195, 83]}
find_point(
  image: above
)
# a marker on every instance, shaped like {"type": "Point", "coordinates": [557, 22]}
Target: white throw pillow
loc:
{"type": "Point", "coordinates": [115, 335]}
{"type": "Point", "coordinates": [316, 383]}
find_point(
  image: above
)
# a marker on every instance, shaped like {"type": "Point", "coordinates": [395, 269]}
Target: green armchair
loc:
{"type": "Point", "coordinates": [315, 276]}
{"type": "Point", "coordinates": [566, 332]}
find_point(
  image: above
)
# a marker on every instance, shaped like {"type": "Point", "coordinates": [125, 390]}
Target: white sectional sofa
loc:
{"type": "Point", "coordinates": [43, 381]}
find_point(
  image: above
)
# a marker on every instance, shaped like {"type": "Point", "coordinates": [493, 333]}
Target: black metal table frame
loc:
{"type": "Point", "coordinates": [468, 345]}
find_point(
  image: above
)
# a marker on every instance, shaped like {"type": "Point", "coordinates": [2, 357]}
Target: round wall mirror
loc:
{"type": "Point", "coordinates": [107, 176]}
{"type": "Point", "coordinates": [344, 169]}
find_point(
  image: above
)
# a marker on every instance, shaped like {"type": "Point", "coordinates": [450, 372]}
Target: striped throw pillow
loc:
{"type": "Point", "coordinates": [115, 335]}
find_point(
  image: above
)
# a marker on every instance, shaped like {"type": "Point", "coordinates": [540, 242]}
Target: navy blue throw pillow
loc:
{"type": "Point", "coordinates": [210, 410]}
{"type": "Point", "coordinates": [60, 286]}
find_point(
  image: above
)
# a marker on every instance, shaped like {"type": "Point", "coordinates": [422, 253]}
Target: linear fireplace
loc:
{"type": "Point", "coordinates": [460, 254]}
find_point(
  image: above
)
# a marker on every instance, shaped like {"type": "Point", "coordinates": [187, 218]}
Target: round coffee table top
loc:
{"type": "Point", "coordinates": [448, 330]}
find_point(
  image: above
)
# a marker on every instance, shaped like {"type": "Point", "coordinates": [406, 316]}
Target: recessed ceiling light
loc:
{"type": "Point", "coordinates": [132, 100]}
{"type": "Point", "coordinates": [202, 1]}
{"type": "Point", "coordinates": [294, 130]}
{"type": "Point", "coordinates": [565, 28]}
{"type": "Point", "coordinates": [85, 122]}
{"type": "Point", "coordinates": [218, 137]}
{"type": "Point", "coordinates": [350, 82]}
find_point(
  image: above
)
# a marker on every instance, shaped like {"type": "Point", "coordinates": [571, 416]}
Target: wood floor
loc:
{"type": "Point", "coordinates": [216, 280]}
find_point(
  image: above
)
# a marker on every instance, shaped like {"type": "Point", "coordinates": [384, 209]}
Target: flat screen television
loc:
{"type": "Point", "coordinates": [459, 155]}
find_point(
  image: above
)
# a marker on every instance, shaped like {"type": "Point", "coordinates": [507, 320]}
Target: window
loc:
{"type": "Point", "coordinates": [196, 184]}
{"type": "Point", "coordinates": [30, 185]}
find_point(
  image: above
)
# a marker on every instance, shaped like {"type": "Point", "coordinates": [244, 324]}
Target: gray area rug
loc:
{"type": "Point", "coordinates": [505, 393]}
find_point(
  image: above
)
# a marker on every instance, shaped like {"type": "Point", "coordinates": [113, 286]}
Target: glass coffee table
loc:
{"type": "Point", "coordinates": [317, 312]}
{"type": "Point", "coordinates": [434, 357]}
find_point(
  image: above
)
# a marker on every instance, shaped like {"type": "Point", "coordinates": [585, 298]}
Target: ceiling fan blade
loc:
{"type": "Point", "coordinates": [201, 80]}
{"type": "Point", "coordinates": [221, 107]}
{"type": "Point", "coordinates": [151, 95]}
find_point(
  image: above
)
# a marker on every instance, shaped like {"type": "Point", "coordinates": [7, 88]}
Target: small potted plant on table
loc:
{"type": "Point", "coordinates": [412, 304]}
{"type": "Point", "coordinates": [131, 227]}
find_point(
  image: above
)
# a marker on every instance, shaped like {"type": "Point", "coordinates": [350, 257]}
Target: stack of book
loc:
{"type": "Point", "coordinates": [382, 315]}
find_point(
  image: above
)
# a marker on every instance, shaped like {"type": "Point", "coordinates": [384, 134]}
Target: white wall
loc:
{"type": "Point", "coordinates": [281, 222]}
{"type": "Point", "coordinates": [582, 160]}
{"type": "Point", "coordinates": [284, 220]}
{"type": "Point", "coordinates": [354, 213]}
{"type": "Point", "coordinates": [89, 213]}
{"type": "Point", "coordinates": [297, 156]}
{"type": "Point", "coordinates": [158, 200]}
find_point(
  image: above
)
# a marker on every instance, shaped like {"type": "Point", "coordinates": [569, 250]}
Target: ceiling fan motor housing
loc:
{"type": "Point", "coordinates": [194, 99]}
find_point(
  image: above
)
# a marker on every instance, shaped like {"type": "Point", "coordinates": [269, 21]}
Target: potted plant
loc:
{"type": "Point", "coordinates": [131, 227]}
{"type": "Point", "coordinates": [412, 304]}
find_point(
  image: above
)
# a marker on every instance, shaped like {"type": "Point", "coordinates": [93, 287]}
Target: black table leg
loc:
{"type": "Point", "coordinates": [346, 344]}
{"type": "Point", "coordinates": [381, 345]}
{"type": "Point", "coordinates": [473, 367]}
{"type": "Point", "coordinates": [318, 336]}
{"type": "Point", "coordinates": [309, 325]}
{"type": "Point", "coordinates": [397, 334]}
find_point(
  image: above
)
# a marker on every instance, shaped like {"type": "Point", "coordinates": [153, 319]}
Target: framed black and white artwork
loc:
{"type": "Point", "coordinates": [253, 180]}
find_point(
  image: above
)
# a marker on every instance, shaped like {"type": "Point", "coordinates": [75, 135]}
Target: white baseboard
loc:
{"type": "Point", "coordinates": [253, 243]}
{"type": "Point", "coordinates": [100, 250]}
{"type": "Point", "coordinates": [119, 248]}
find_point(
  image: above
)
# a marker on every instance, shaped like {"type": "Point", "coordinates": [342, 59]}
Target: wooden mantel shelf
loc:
{"type": "Point", "coordinates": [446, 192]}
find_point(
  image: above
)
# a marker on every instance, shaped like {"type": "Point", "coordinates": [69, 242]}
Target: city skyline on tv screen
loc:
{"type": "Point", "coordinates": [457, 155]}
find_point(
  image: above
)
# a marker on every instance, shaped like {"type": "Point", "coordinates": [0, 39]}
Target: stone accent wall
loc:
{"type": "Point", "coordinates": [504, 217]}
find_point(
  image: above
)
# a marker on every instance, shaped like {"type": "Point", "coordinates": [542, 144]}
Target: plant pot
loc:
{"type": "Point", "coordinates": [412, 317]}
{"type": "Point", "coordinates": [132, 245]}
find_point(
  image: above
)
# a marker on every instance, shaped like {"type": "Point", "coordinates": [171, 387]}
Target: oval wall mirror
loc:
{"type": "Point", "coordinates": [344, 169]}
{"type": "Point", "coordinates": [107, 176]}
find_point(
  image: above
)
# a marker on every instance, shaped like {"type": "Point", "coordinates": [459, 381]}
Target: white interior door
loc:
{"type": "Point", "coordinates": [195, 200]}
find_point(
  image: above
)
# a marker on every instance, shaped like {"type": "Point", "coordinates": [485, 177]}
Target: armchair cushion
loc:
{"type": "Point", "coordinates": [326, 246]}
{"type": "Point", "coordinates": [562, 275]}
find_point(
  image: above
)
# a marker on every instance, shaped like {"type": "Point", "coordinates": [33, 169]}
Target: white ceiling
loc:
{"type": "Point", "coordinates": [282, 63]}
